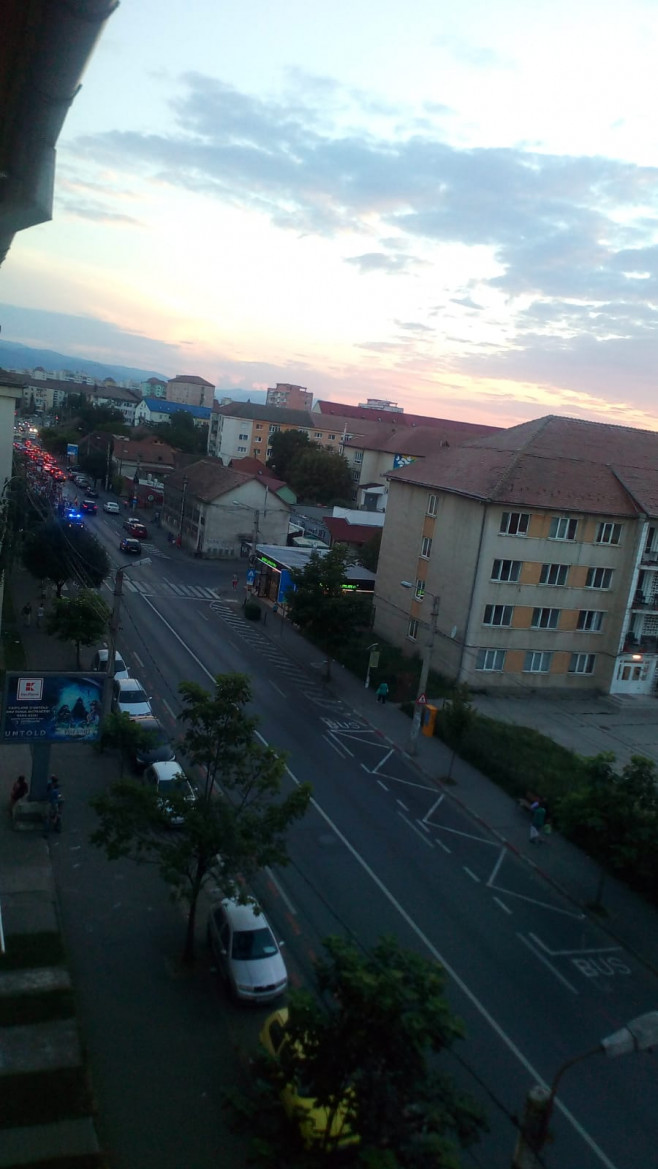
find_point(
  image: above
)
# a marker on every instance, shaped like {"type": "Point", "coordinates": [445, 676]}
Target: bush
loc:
{"type": "Point", "coordinates": [252, 611]}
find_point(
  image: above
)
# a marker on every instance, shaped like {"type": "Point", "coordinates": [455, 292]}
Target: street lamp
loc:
{"type": "Point", "coordinates": [425, 670]}
{"type": "Point", "coordinates": [114, 628]}
{"type": "Point", "coordinates": [640, 1034]}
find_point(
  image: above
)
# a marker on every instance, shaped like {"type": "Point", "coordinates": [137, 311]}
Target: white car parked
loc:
{"type": "Point", "coordinates": [129, 695]}
{"type": "Point", "coordinates": [167, 778]}
{"type": "Point", "coordinates": [246, 951]}
{"type": "Point", "coordinates": [101, 658]}
{"type": "Point", "coordinates": [111, 505]}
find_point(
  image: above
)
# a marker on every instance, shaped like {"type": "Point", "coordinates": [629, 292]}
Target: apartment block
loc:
{"type": "Point", "coordinates": [190, 390]}
{"type": "Point", "coordinates": [293, 397]}
{"type": "Point", "coordinates": [540, 545]}
{"type": "Point", "coordinates": [239, 429]}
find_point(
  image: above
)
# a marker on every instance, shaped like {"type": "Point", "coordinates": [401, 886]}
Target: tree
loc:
{"type": "Point", "coordinates": [321, 605]}
{"type": "Point", "coordinates": [182, 433]}
{"type": "Point", "coordinates": [369, 554]}
{"type": "Point", "coordinates": [82, 619]}
{"type": "Point", "coordinates": [58, 553]}
{"type": "Point", "coordinates": [227, 836]}
{"type": "Point", "coordinates": [368, 1046]}
{"type": "Point", "coordinates": [94, 463]}
{"type": "Point", "coordinates": [455, 718]}
{"type": "Point", "coordinates": [285, 446]}
{"type": "Point", "coordinates": [320, 476]}
{"type": "Point", "coordinates": [124, 734]}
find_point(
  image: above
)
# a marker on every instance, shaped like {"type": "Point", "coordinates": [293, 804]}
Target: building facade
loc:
{"type": "Point", "coordinates": [241, 429]}
{"type": "Point", "coordinates": [218, 512]}
{"type": "Point", "coordinates": [157, 411]}
{"type": "Point", "coordinates": [539, 545]}
{"type": "Point", "coordinates": [294, 397]}
{"type": "Point", "coordinates": [189, 390]}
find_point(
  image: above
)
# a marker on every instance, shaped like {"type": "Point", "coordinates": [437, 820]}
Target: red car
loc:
{"type": "Point", "coordinates": [136, 528]}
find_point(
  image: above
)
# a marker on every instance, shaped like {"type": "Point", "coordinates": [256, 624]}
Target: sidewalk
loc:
{"type": "Point", "coordinates": [29, 906]}
{"type": "Point", "coordinates": [628, 918]}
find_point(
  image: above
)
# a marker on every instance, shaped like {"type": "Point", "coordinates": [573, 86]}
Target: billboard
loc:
{"type": "Point", "coordinates": [51, 707]}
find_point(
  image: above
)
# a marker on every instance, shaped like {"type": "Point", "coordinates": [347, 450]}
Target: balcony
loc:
{"type": "Point", "coordinates": [650, 558]}
{"type": "Point", "coordinates": [647, 602]}
{"type": "Point", "coordinates": [640, 645]}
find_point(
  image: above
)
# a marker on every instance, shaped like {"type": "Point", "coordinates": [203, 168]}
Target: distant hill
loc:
{"type": "Point", "coordinates": [15, 356]}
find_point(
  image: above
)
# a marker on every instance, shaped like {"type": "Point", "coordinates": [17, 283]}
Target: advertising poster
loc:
{"type": "Point", "coordinates": [52, 708]}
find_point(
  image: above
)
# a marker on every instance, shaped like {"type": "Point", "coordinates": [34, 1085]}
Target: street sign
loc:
{"type": "Point", "coordinates": [422, 699]}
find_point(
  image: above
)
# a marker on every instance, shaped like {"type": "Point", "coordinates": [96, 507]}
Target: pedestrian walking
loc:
{"type": "Point", "coordinates": [40, 616]}
{"type": "Point", "coordinates": [27, 614]}
{"type": "Point", "coordinates": [382, 692]}
{"type": "Point", "coordinates": [537, 821]}
{"type": "Point", "coordinates": [235, 581]}
{"type": "Point", "coordinates": [18, 791]}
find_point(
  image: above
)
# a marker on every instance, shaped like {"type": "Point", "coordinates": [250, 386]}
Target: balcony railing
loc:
{"type": "Point", "coordinates": [645, 601]}
{"type": "Point", "coordinates": [650, 557]}
{"type": "Point", "coordinates": [640, 645]}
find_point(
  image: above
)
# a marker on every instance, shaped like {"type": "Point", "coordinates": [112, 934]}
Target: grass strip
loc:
{"type": "Point", "coordinates": [44, 1097]}
{"type": "Point", "coordinates": [21, 1009]}
{"type": "Point", "coordinates": [35, 949]}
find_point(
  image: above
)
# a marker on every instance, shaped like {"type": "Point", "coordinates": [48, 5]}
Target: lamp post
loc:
{"type": "Point", "coordinates": [424, 672]}
{"type": "Point", "coordinates": [114, 629]}
{"type": "Point", "coordinates": [182, 511]}
{"type": "Point", "coordinates": [640, 1034]}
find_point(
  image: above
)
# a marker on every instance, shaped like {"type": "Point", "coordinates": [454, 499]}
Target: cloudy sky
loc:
{"type": "Point", "coordinates": [451, 206]}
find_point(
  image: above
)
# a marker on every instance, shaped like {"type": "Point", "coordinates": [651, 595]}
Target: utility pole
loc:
{"type": "Point", "coordinates": [182, 511]}
{"type": "Point", "coordinates": [424, 675]}
{"type": "Point", "coordinates": [114, 630]}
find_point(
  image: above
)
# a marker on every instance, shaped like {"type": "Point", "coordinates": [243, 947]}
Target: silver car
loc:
{"type": "Point", "coordinates": [246, 952]}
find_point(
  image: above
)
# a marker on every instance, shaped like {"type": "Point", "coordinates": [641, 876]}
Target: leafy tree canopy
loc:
{"type": "Point", "coordinates": [320, 605]}
{"type": "Point", "coordinates": [285, 446]}
{"type": "Point", "coordinates": [369, 554]}
{"type": "Point", "coordinates": [226, 836]}
{"type": "Point", "coordinates": [82, 619]}
{"type": "Point", "coordinates": [369, 1044]}
{"type": "Point", "coordinates": [59, 553]}
{"type": "Point", "coordinates": [124, 734]}
{"type": "Point", "coordinates": [181, 432]}
{"type": "Point", "coordinates": [320, 476]}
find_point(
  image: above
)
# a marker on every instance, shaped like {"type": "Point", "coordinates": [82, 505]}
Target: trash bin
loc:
{"type": "Point", "coordinates": [428, 719]}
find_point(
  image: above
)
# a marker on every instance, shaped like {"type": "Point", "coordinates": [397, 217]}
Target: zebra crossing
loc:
{"type": "Point", "coordinates": [285, 667]}
{"type": "Point", "coordinates": [169, 588]}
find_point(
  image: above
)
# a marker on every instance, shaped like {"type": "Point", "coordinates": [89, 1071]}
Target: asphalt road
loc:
{"type": "Point", "coordinates": [379, 853]}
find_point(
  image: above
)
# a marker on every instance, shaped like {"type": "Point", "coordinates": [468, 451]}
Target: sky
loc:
{"type": "Point", "coordinates": [449, 206]}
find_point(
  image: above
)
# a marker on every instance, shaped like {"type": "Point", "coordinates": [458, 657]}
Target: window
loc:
{"type": "Point", "coordinates": [426, 547]}
{"type": "Point", "coordinates": [242, 450]}
{"type": "Point", "coordinates": [554, 574]}
{"type": "Point", "coordinates": [514, 523]}
{"type": "Point", "coordinates": [562, 528]}
{"type": "Point", "coordinates": [317, 434]}
{"type": "Point", "coordinates": [506, 570]}
{"type": "Point", "coordinates": [490, 659]}
{"type": "Point", "coordinates": [274, 429]}
{"type": "Point", "coordinates": [590, 619]}
{"type": "Point", "coordinates": [356, 475]}
{"type": "Point", "coordinates": [608, 534]}
{"type": "Point", "coordinates": [258, 438]}
{"type": "Point", "coordinates": [545, 618]}
{"type": "Point", "coordinates": [432, 501]}
{"type": "Point", "coordinates": [420, 590]}
{"type": "Point", "coordinates": [599, 578]}
{"type": "Point", "coordinates": [537, 663]}
{"type": "Point", "coordinates": [259, 426]}
{"type": "Point", "coordinates": [243, 437]}
{"type": "Point", "coordinates": [332, 438]}
{"type": "Point", "coordinates": [412, 632]}
{"type": "Point", "coordinates": [358, 456]}
{"type": "Point", "coordinates": [582, 663]}
{"type": "Point", "coordinates": [498, 614]}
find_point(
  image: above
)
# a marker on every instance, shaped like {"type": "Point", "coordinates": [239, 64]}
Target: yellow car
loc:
{"type": "Point", "coordinates": [313, 1120]}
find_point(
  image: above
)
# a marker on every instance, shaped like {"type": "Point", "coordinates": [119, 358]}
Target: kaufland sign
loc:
{"type": "Point", "coordinates": [51, 708]}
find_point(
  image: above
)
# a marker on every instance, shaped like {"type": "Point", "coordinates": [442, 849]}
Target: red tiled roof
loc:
{"type": "Point", "coordinates": [420, 440]}
{"type": "Point", "coordinates": [552, 462]}
{"type": "Point", "coordinates": [392, 418]}
{"type": "Point", "coordinates": [207, 479]}
{"type": "Point", "coordinates": [189, 377]}
{"type": "Point", "coordinates": [348, 533]}
{"type": "Point", "coordinates": [254, 467]}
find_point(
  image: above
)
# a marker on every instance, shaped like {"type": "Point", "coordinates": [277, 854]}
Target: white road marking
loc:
{"type": "Point", "coordinates": [277, 688]}
{"type": "Point", "coordinates": [442, 845]}
{"type": "Point", "coordinates": [549, 965]}
{"type": "Point", "coordinates": [382, 761]}
{"type": "Point", "coordinates": [138, 659]}
{"type": "Point", "coordinates": [409, 823]}
{"type": "Point", "coordinates": [472, 875]}
{"type": "Point", "coordinates": [466, 835]}
{"type": "Point", "coordinates": [434, 805]}
{"type": "Point", "coordinates": [168, 708]}
{"type": "Point", "coordinates": [282, 894]}
{"type": "Point", "coordinates": [334, 745]}
{"type": "Point", "coordinates": [436, 954]}
{"type": "Point", "coordinates": [496, 867]}
{"type": "Point", "coordinates": [382, 784]}
{"type": "Point", "coordinates": [568, 953]}
{"type": "Point", "coordinates": [403, 806]}
{"type": "Point", "coordinates": [542, 904]}
{"type": "Point", "coordinates": [502, 905]}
